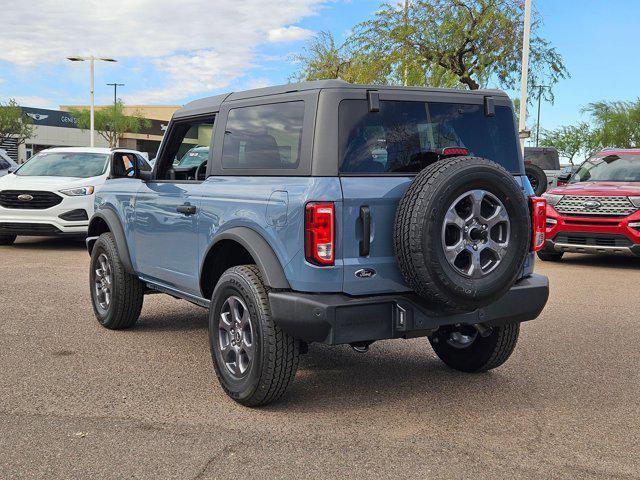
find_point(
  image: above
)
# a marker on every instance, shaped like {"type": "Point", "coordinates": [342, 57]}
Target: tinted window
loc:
{"type": "Point", "coordinates": [264, 136]}
{"type": "Point", "coordinates": [408, 136]}
{"type": "Point", "coordinates": [545, 158]}
{"type": "Point", "coordinates": [612, 168]}
{"type": "Point", "coordinates": [67, 164]}
{"type": "Point", "coordinates": [4, 165]}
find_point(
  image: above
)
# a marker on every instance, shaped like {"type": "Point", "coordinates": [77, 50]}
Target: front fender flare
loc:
{"type": "Point", "coordinates": [115, 227]}
{"type": "Point", "coordinates": [264, 256]}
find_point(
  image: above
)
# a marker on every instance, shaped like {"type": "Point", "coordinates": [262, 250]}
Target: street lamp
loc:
{"type": "Point", "coordinates": [525, 71]}
{"type": "Point", "coordinates": [540, 89]}
{"type": "Point", "coordinates": [91, 60]}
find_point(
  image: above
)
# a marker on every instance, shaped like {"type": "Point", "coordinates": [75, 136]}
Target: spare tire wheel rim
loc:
{"type": "Point", "coordinates": [475, 233]}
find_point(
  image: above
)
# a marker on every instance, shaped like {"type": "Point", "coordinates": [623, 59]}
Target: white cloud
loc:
{"type": "Point", "coordinates": [34, 101]}
{"type": "Point", "coordinates": [289, 34]}
{"type": "Point", "coordinates": [197, 45]}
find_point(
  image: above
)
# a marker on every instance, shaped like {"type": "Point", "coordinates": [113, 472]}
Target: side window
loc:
{"type": "Point", "coordinates": [263, 137]}
{"type": "Point", "coordinates": [4, 165]}
{"type": "Point", "coordinates": [187, 151]}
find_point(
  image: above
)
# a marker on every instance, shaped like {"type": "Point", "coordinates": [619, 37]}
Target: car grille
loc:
{"type": "Point", "coordinates": [594, 240]}
{"type": "Point", "coordinates": [38, 201]}
{"type": "Point", "coordinates": [618, 206]}
{"type": "Point", "coordinates": [28, 229]}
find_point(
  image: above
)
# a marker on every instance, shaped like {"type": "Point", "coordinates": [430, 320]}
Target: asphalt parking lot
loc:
{"type": "Point", "coordinates": [77, 400]}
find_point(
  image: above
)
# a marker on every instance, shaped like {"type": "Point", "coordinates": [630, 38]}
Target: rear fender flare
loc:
{"type": "Point", "coordinates": [260, 250]}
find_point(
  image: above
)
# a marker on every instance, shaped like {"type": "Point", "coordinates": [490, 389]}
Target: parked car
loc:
{"type": "Point", "coordinates": [53, 192]}
{"type": "Point", "coordinates": [542, 165]}
{"type": "Point", "coordinates": [333, 213]}
{"type": "Point", "coordinates": [7, 165]}
{"type": "Point", "coordinates": [598, 211]}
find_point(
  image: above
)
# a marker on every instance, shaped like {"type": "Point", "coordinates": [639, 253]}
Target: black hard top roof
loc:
{"type": "Point", "coordinates": [212, 104]}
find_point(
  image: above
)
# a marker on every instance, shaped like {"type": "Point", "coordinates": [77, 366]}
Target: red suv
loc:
{"type": "Point", "coordinates": [598, 210]}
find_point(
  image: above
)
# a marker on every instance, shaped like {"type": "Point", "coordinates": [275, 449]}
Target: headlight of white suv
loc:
{"type": "Point", "coordinates": [552, 199]}
{"type": "Point", "coordinates": [78, 192]}
{"type": "Point", "coordinates": [635, 201]}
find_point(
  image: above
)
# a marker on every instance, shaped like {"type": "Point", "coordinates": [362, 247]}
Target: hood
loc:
{"type": "Point", "coordinates": [49, 184]}
{"type": "Point", "coordinates": [595, 189]}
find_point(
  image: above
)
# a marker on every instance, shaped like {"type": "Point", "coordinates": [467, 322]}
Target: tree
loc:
{"type": "Point", "coordinates": [13, 124]}
{"type": "Point", "coordinates": [448, 43]}
{"type": "Point", "coordinates": [616, 124]}
{"type": "Point", "coordinates": [323, 59]}
{"type": "Point", "coordinates": [111, 123]}
{"type": "Point", "coordinates": [570, 140]}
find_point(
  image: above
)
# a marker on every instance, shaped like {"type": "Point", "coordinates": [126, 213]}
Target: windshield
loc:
{"type": "Point", "coordinates": [65, 164]}
{"type": "Point", "coordinates": [406, 136]}
{"type": "Point", "coordinates": [611, 168]}
{"type": "Point", "coordinates": [194, 157]}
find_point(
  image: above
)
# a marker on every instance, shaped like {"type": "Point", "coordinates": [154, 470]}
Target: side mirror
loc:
{"type": "Point", "coordinates": [145, 176]}
{"type": "Point", "coordinates": [563, 178]}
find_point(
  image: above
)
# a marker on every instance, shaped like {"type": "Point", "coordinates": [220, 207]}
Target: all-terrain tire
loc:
{"type": "Point", "coordinates": [126, 291]}
{"type": "Point", "coordinates": [483, 354]}
{"type": "Point", "coordinates": [537, 178]}
{"type": "Point", "coordinates": [275, 354]}
{"type": "Point", "coordinates": [548, 255]}
{"type": "Point", "coordinates": [418, 237]}
{"type": "Point", "coordinates": [7, 239]}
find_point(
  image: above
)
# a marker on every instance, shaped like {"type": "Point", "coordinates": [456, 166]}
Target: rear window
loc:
{"type": "Point", "coordinates": [264, 136]}
{"type": "Point", "coordinates": [545, 158]}
{"type": "Point", "coordinates": [407, 136]}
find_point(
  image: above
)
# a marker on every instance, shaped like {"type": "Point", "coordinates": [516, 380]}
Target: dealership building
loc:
{"type": "Point", "coordinates": [58, 128]}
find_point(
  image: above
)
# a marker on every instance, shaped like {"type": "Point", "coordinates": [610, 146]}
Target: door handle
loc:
{"type": "Point", "coordinates": [186, 209]}
{"type": "Point", "coordinates": [365, 243]}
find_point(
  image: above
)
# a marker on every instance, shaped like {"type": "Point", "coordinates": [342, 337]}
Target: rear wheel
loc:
{"type": "Point", "coordinates": [7, 239]}
{"type": "Point", "coordinates": [464, 348]}
{"type": "Point", "coordinates": [117, 296]}
{"type": "Point", "coordinates": [255, 361]}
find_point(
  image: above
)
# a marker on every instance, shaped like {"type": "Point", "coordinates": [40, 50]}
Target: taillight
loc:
{"type": "Point", "coordinates": [538, 222]}
{"type": "Point", "coordinates": [319, 233]}
{"type": "Point", "coordinates": [455, 151]}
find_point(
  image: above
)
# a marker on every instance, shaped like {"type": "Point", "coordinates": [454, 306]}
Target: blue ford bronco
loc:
{"type": "Point", "coordinates": [333, 213]}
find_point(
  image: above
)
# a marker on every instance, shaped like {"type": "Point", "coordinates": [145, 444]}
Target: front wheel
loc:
{"type": "Point", "coordinates": [464, 348]}
{"type": "Point", "coordinates": [549, 255]}
{"type": "Point", "coordinates": [117, 295]}
{"type": "Point", "coordinates": [7, 239]}
{"type": "Point", "coordinates": [255, 361]}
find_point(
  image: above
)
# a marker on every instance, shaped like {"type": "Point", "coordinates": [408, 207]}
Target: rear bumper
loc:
{"type": "Point", "coordinates": [338, 319]}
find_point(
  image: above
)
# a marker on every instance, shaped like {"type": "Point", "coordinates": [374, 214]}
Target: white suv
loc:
{"type": "Point", "coordinates": [53, 192]}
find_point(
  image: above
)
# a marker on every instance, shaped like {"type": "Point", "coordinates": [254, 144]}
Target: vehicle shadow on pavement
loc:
{"type": "Point", "coordinates": [601, 261]}
{"type": "Point", "coordinates": [49, 243]}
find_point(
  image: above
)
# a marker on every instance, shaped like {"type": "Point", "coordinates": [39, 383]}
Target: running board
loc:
{"type": "Point", "coordinates": [201, 302]}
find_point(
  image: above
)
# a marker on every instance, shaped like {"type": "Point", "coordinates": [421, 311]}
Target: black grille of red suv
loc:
{"type": "Point", "coordinates": [28, 199]}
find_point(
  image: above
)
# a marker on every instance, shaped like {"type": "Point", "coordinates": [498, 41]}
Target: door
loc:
{"type": "Point", "coordinates": [166, 220]}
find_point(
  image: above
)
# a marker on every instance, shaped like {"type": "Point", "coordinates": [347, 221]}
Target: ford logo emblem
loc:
{"type": "Point", "coordinates": [592, 204]}
{"type": "Point", "coordinates": [365, 273]}
{"type": "Point", "coordinates": [25, 197]}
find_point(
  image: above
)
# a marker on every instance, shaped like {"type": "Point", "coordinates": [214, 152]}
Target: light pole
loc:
{"type": "Point", "coordinates": [91, 60]}
{"type": "Point", "coordinates": [522, 127]}
{"type": "Point", "coordinates": [540, 89]}
{"type": "Point", "coordinates": [115, 92]}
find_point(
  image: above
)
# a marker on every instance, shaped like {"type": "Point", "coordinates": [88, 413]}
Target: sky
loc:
{"type": "Point", "coordinates": [170, 52]}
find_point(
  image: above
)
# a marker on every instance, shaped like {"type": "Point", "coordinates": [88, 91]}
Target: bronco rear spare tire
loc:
{"type": "Point", "coordinates": [462, 232]}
